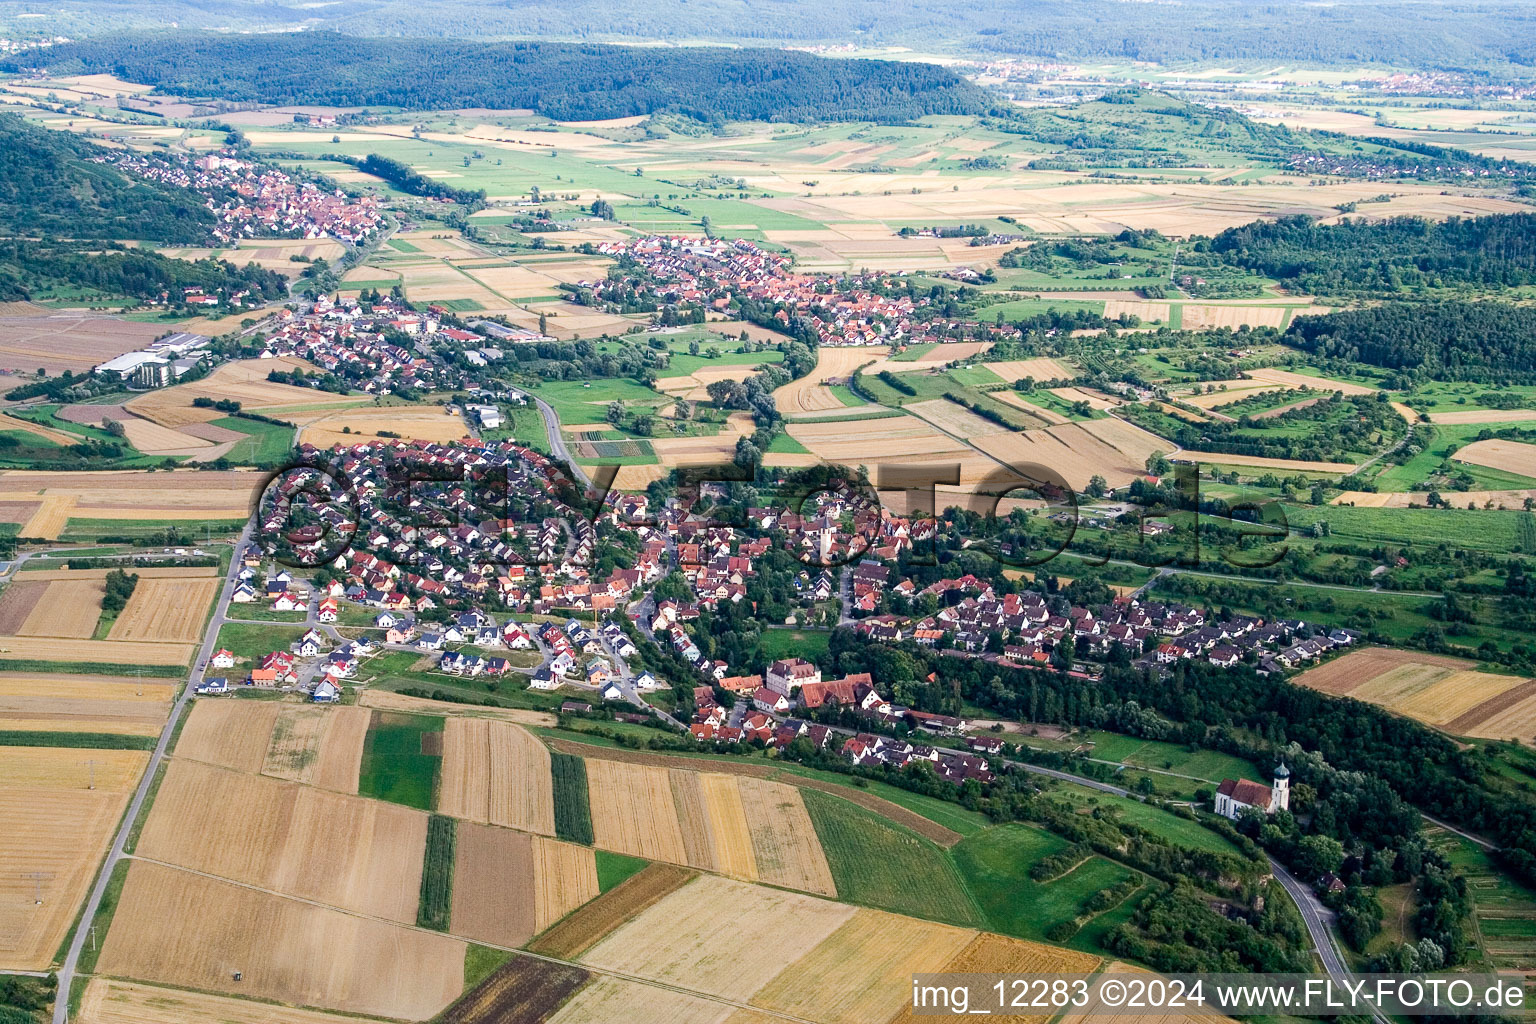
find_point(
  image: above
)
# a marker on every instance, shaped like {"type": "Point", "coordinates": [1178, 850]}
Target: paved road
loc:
{"type": "Point", "coordinates": [210, 641]}
{"type": "Point", "coordinates": [1318, 919]}
{"type": "Point", "coordinates": [557, 446]}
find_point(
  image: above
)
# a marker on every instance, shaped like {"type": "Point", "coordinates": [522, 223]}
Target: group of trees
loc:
{"type": "Point", "coordinates": [112, 270]}
{"type": "Point", "coordinates": [1363, 257]}
{"type": "Point", "coordinates": [564, 81]}
{"type": "Point", "coordinates": [1494, 342]}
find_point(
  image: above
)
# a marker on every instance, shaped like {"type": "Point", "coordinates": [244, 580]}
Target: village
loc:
{"type": "Point", "coordinates": [853, 310]}
{"type": "Point", "coordinates": [258, 200]}
{"type": "Point", "coordinates": [510, 590]}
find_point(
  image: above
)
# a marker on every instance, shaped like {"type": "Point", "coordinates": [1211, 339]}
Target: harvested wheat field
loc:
{"type": "Point", "coordinates": [1040, 368]}
{"type": "Point", "coordinates": [385, 700]}
{"type": "Point", "coordinates": [509, 886]}
{"type": "Point", "coordinates": [863, 971]}
{"type": "Point", "coordinates": [496, 772]}
{"type": "Point", "coordinates": [997, 954]}
{"type": "Point", "coordinates": [190, 931]}
{"type": "Point", "coordinates": [230, 733]}
{"type": "Point", "coordinates": [1198, 316]}
{"type": "Point", "coordinates": [607, 1000]}
{"type": "Point", "coordinates": [953, 418]}
{"type": "Point", "coordinates": [1509, 456]}
{"type": "Point", "coordinates": [579, 931]}
{"type": "Point", "coordinates": [1288, 379]}
{"type": "Point", "coordinates": [244, 381]}
{"type": "Point", "coordinates": [1256, 462]}
{"type": "Point", "coordinates": [68, 608]}
{"type": "Point", "coordinates": [633, 811]}
{"type": "Point", "coordinates": [153, 439]}
{"type": "Point", "coordinates": [274, 835]}
{"type": "Point", "coordinates": [872, 441]}
{"type": "Point", "coordinates": [166, 609]}
{"type": "Point", "coordinates": [1046, 417]}
{"type": "Point", "coordinates": [144, 572]}
{"type": "Point", "coordinates": [103, 652]}
{"type": "Point", "coordinates": [1463, 416]}
{"type": "Point", "coordinates": [109, 1001]}
{"type": "Point", "coordinates": [355, 426]}
{"type": "Point", "coordinates": [17, 602]}
{"type": "Point", "coordinates": [58, 827]}
{"type": "Point", "coordinates": [1148, 311]}
{"type": "Point", "coordinates": [68, 342]}
{"type": "Point", "coordinates": [1443, 692]}
{"type": "Point", "coordinates": [1343, 675]}
{"type": "Point", "coordinates": [713, 823]}
{"type": "Point", "coordinates": [1509, 500]}
{"type": "Point", "coordinates": [709, 937]}
{"type": "Point", "coordinates": [88, 703]}
{"type": "Point", "coordinates": [318, 746]}
{"type": "Point", "coordinates": [784, 842]}
{"type": "Point", "coordinates": [1076, 452]}
{"type": "Point", "coordinates": [129, 494]}
{"type": "Point", "coordinates": [1095, 1014]}
{"type": "Point", "coordinates": [808, 395]}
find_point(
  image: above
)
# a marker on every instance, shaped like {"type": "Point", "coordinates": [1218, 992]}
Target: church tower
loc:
{"type": "Point", "coordinates": [1280, 792]}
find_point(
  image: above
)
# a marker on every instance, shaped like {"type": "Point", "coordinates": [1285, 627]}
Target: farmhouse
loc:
{"type": "Point", "coordinates": [1238, 795]}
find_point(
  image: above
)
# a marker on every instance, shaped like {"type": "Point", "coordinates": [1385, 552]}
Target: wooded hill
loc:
{"type": "Point", "coordinates": [50, 188]}
{"type": "Point", "coordinates": [1372, 257]}
{"type": "Point", "coordinates": [559, 80]}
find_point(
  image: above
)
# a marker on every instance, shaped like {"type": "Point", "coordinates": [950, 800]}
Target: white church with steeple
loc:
{"type": "Point", "coordinates": [1238, 795]}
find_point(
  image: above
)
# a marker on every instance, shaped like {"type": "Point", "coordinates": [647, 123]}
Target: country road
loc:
{"type": "Point", "coordinates": [556, 440]}
{"type": "Point", "coordinates": [115, 854]}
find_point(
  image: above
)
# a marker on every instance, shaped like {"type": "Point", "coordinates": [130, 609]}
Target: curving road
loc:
{"type": "Point", "coordinates": [115, 854]}
{"type": "Point", "coordinates": [556, 440]}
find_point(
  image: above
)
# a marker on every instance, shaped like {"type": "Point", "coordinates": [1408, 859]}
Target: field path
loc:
{"type": "Point", "coordinates": [210, 639]}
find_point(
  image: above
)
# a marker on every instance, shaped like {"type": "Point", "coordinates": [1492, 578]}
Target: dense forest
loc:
{"type": "Point", "coordinates": [561, 81]}
{"type": "Point", "coordinates": [28, 267]}
{"type": "Point", "coordinates": [1492, 342]}
{"type": "Point", "coordinates": [1470, 33]}
{"type": "Point", "coordinates": [1373, 257]}
{"type": "Point", "coordinates": [51, 187]}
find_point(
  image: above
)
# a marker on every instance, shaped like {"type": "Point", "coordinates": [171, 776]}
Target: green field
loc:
{"type": "Point", "coordinates": [995, 866]}
{"type": "Point", "coordinates": [268, 441]}
{"type": "Point", "coordinates": [437, 874]}
{"type": "Point", "coordinates": [394, 768]}
{"type": "Point", "coordinates": [573, 816]}
{"type": "Point", "coordinates": [613, 868]}
{"type": "Point", "coordinates": [1211, 765]}
{"type": "Point", "coordinates": [1177, 830]}
{"type": "Point", "coordinates": [878, 864]}
{"type": "Point", "coordinates": [251, 642]}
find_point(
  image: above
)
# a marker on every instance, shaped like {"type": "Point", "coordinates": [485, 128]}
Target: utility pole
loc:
{"type": "Point", "coordinates": [37, 878]}
{"type": "Point", "coordinates": [90, 765]}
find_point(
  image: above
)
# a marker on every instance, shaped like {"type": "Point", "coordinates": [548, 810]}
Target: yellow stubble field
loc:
{"type": "Point", "coordinates": [342, 851]}
{"type": "Point", "coordinates": [110, 1001]}
{"type": "Point", "coordinates": [178, 928]}
{"type": "Point", "coordinates": [496, 772]}
{"type": "Point", "coordinates": [166, 609]}
{"type": "Point", "coordinates": [709, 937]}
{"type": "Point", "coordinates": [89, 703]}
{"type": "Point", "coordinates": [56, 831]}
